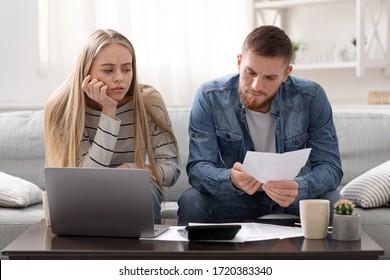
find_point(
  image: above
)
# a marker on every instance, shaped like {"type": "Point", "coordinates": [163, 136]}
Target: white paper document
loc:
{"type": "Point", "coordinates": [248, 232]}
{"type": "Point", "coordinates": [272, 166]}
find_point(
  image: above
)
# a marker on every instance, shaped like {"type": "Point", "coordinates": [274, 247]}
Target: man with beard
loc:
{"type": "Point", "coordinates": [265, 109]}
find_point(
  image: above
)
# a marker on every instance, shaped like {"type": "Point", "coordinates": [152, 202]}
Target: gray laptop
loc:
{"type": "Point", "coordinates": [101, 202]}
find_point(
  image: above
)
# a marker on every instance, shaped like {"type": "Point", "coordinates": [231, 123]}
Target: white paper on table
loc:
{"type": "Point", "coordinates": [273, 166]}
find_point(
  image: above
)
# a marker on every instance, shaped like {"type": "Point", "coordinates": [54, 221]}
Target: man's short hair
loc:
{"type": "Point", "coordinates": [269, 41]}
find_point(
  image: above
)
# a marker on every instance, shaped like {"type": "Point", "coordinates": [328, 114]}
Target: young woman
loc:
{"type": "Point", "coordinates": [102, 117]}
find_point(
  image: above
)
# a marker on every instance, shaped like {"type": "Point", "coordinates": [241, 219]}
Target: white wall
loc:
{"type": "Point", "coordinates": [23, 87]}
{"type": "Point", "coordinates": [342, 86]}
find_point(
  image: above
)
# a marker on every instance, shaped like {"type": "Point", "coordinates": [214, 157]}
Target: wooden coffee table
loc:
{"type": "Point", "coordinates": [40, 243]}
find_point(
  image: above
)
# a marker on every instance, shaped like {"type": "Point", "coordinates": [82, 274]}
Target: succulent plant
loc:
{"type": "Point", "coordinates": [344, 207]}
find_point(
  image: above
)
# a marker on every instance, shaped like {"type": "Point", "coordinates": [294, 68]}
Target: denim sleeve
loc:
{"type": "Point", "coordinates": [323, 172]}
{"type": "Point", "coordinates": [204, 172]}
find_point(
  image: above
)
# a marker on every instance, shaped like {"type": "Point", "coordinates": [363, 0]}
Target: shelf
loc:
{"type": "Point", "coordinates": [372, 21]}
{"type": "Point", "coordinates": [325, 65]}
{"type": "Point", "coordinates": [289, 4]}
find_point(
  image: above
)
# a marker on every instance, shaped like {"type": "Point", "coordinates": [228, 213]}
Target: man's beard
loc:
{"type": "Point", "coordinates": [251, 103]}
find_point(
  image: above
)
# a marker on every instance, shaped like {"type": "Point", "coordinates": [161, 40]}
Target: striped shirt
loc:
{"type": "Point", "coordinates": [109, 143]}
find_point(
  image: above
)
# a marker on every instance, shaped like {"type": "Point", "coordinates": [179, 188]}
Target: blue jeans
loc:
{"type": "Point", "coordinates": [156, 197]}
{"type": "Point", "coordinates": [195, 206]}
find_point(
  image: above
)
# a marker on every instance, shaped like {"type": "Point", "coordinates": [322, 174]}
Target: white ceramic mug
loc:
{"type": "Point", "coordinates": [46, 212]}
{"type": "Point", "coordinates": [314, 214]}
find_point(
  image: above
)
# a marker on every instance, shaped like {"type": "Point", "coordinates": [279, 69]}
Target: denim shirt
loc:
{"type": "Point", "coordinates": [219, 135]}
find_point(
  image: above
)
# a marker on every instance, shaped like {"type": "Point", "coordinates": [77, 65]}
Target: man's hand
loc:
{"type": "Point", "coordinates": [243, 180]}
{"type": "Point", "coordinates": [282, 192]}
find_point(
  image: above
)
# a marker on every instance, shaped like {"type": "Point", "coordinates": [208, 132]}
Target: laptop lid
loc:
{"type": "Point", "coordinates": [100, 202]}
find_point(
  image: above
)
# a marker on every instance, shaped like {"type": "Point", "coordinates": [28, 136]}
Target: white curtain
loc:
{"type": "Point", "coordinates": [179, 43]}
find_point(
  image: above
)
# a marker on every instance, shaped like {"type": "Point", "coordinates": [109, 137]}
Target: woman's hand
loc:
{"type": "Point", "coordinates": [97, 91]}
{"type": "Point", "coordinates": [123, 165]}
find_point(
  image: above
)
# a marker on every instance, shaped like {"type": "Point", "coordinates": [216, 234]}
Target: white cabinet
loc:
{"type": "Point", "coordinates": [327, 27]}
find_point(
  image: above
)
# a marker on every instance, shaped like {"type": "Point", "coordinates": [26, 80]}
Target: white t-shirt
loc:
{"type": "Point", "coordinates": [262, 130]}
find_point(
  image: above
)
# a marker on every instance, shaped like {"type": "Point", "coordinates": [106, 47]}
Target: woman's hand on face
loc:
{"type": "Point", "coordinates": [97, 91]}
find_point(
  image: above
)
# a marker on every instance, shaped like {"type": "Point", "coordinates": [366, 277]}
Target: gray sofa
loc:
{"type": "Point", "coordinates": [364, 143]}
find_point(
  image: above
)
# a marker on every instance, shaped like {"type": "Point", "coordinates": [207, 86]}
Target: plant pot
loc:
{"type": "Point", "coordinates": [346, 227]}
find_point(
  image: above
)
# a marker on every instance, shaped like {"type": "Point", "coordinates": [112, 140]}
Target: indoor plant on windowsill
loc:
{"type": "Point", "coordinates": [346, 223]}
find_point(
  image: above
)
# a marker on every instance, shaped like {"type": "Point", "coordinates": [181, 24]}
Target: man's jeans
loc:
{"type": "Point", "coordinates": [195, 206]}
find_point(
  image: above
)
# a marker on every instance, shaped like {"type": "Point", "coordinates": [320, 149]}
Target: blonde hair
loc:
{"type": "Point", "coordinates": [65, 110]}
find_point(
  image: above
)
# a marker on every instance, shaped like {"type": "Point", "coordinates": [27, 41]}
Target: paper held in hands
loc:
{"type": "Point", "coordinates": [271, 166]}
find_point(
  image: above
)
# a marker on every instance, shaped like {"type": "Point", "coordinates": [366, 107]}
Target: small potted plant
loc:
{"type": "Point", "coordinates": [346, 223]}
{"type": "Point", "coordinates": [295, 47]}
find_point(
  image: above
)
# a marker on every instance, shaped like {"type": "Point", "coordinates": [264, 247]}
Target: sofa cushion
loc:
{"type": "Point", "coordinates": [361, 146]}
{"type": "Point", "coordinates": [371, 189]}
{"type": "Point", "coordinates": [16, 192]}
{"type": "Point", "coordinates": [376, 223]}
{"type": "Point", "coordinates": [15, 221]}
{"type": "Point", "coordinates": [180, 119]}
{"type": "Point", "coordinates": [22, 148]}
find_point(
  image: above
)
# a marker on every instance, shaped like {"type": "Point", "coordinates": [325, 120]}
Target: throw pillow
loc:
{"type": "Point", "coordinates": [371, 189]}
{"type": "Point", "coordinates": [16, 192]}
